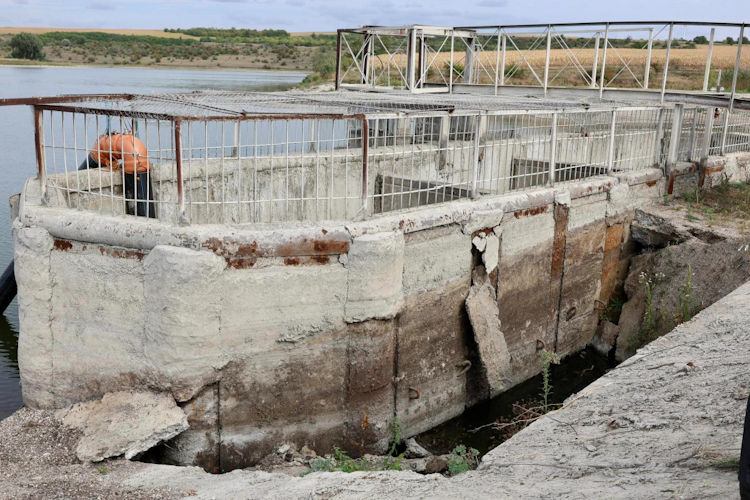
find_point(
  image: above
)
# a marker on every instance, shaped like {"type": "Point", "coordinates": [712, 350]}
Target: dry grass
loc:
{"type": "Point", "coordinates": [38, 31]}
{"type": "Point", "coordinates": [723, 57]}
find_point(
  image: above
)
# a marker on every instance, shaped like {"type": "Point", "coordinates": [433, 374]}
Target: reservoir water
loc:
{"type": "Point", "coordinates": [17, 149]}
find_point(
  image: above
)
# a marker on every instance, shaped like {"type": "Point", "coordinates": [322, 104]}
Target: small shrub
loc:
{"type": "Point", "coordinates": [462, 459]}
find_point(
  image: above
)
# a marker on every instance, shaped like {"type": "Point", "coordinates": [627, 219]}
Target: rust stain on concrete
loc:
{"type": "Point", "coordinates": [530, 211]}
{"type": "Point", "coordinates": [63, 245]}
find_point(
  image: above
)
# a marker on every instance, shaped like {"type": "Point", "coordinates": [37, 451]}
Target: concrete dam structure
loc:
{"type": "Point", "coordinates": [313, 267]}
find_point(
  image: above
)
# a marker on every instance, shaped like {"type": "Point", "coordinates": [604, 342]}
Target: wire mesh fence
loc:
{"type": "Point", "coordinates": [371, 156]}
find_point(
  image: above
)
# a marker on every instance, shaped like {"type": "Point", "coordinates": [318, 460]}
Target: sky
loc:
{"type": "Point", "coordinates": [327, 15]}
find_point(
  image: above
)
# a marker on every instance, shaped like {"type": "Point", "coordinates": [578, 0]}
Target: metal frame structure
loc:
{"type": "Point", "coordinates": [221, 157]}
{"type": "Point", "coordinates": [477, 55]}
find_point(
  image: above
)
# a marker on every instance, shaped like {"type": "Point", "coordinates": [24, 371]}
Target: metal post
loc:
{"type": "Point", "coordinates": [666, 63]}
{"type": "Point", "coordinates": [648, 57]}
{"type": "Point", "coordinates": [38, 143]}
{"type": "Point", "coordinates": [596, 59]}
{"type": "Point", "coordinates": [553, 150]}
{"type": "Point", "coordinates": [724, 132]}
{"type": "Point", "coordinates": [477, 142]}
{"type": "Point", "coordinates": [411, 59]}
{"type": "Point", "coordinates": [497, 58]}
{"type": "Point", "coordinates": [366, 59]}
{"type": "Point", "coordinates": [469, 61]}
{"type": "Point", "coordinates": [707, 134]}
{"type": "Point", "coordinates": [421, 62]}
{"type": "Point", "coordinates": [659, 145]}
{"type": "Point", "coordinates": [604, 61]}
{"type": "Point", "coordinates": [502, 62]}
{"type": "Point", "coordinates": [611, 146]}
{"type": "Point", "coordinates": [365, 148]}
{"type": "Point", "coordinates": [674, 140]}
{"type": "Point", "coordinates": [450, 81]}
{"type": "Point", "coordinates": [708, 59]}
{"type": "Point", "coordinates": [371, 58]}
{"type": "Point", "coordinates": [178, 165]}
{"type": "Point", "coordinates": [691, 141]}
{"type": "Point", "coordinates": [736, 69]}
{"type": "Point", "coordinates": [546, 59]}
{"type": "Point", "coordinates": [338, 58]}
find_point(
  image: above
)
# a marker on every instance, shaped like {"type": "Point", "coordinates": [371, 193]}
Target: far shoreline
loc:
{"type": "Point", "coordinates": [6, 62]}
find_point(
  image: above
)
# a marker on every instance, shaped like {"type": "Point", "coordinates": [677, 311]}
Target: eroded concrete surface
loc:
{"type": "Point", "coordinates": [316, 334]}
{"type": "Point", "coordinates": [654, 427]}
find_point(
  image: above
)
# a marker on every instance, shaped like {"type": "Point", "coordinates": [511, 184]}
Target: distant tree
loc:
{"type": "Point", "coordinates": [324, 62]}
{"type": "Point", "coordinates": [26, 46]}
{"type": "Point", "coordinates": [700, 40]}
{"type": "Point", "coordinates": [729, 41]}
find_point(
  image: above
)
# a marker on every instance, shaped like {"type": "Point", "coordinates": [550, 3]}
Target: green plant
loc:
{"type": "Point", "coordinates": [393, 461]}
{"type": "Point", "coordinates": [319, 465]}
{"type": "Point", "coordinates": [26, 46]}
{"type": "Point", "coordinates": [686, 305]}
{"type": "Point", "coordinates": [102, 470]}
{"type": "Point", "coordinates": [732, 464]}
{"type": "Point", "coordinates": [462, 459]}
{"type": "Point", "coordinates": [345, 463]}
{"type": "Point", "coordinates": [613, 310]}
{"type": "Point", "coordinates": [648, 331]}
{"type": "Point", "coordinates": [548, 358]}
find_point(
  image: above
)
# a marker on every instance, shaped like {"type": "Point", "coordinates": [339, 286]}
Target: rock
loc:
{"type": "Point", "coordinates": [605, 338]}
{"type": "Point", "coordinates": [491, 253]}
{"type": "Point", "coordinates": [414, 464]}
{"type": "Point", "coordinates": [124, 423]}
{"type": "Point", "coordinates": [436, 464]}
{"type": "Point", "coordinates": [653, 231]}
{"type": "Point", "coordinates": [481, 305]}
{"type": "Point", "coordinates": [414, 450]}
{"type": "Point", "coordinates": [308, 452]}
{"type": "Point", "coordinates": [480, 242]}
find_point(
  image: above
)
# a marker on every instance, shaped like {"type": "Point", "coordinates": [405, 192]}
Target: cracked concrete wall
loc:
{"type": "Point", "coordinates": [318, 334]}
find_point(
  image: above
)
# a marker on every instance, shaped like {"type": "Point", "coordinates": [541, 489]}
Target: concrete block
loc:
{"type": "Point", "coordinates": [481, 305]}
{"type": "Point", "coordinates": [618, 202]}
{"type": "Point", "coordinates": [267, 308]}
{"type": "Point", "coordinates": [35, 342]}
{"type": "Point", "coordinates": [524, 232]}
{"type": "Point", "coordinates": [182, 291]}
{"type": "Point", "coordinates": [124, 424]}
{"type": "Point", "coordinates": [432, 339]}
{"type": "Point", "coordinates": [491, 253]}
{"type": "Point", "coordinates": [376, 266]}
{"type": "Point", "coordinates": [435, 257]}
{"type": "Point", "coordinates": [98, 315]}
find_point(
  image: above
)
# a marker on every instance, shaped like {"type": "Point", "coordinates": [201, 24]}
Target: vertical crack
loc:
{"type": "Point", "coordinates": [558, 259]}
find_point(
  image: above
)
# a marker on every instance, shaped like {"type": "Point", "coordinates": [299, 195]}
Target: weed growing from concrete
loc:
{"type": "Point", "coordinates": [548, 358]}
{"type": "Point", "coordinates": [648, 328]}
{"type": "Point", "coordinates": [686, 304]}
{"type": "Point", "coordinates": [462, 459]}
{"type": "Point", "coordinates": [732, 464]}
{"type": "Point", "coordinates": [393, 461]}
{"type": "Point", "coordinates": [341, 461]}
{"type": "Point", "coordinates": [612, 311]}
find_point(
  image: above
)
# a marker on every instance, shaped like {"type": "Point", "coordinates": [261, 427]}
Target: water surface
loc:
{"type": "Point", "coordinates": [17, 149]}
